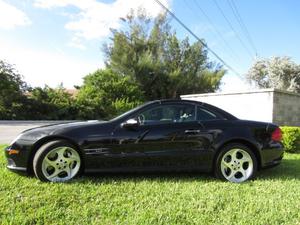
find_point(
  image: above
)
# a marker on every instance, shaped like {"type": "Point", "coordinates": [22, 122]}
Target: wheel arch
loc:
{"type": "Point", "coordinates": [45, 140]}
{"type": "Point", "coordinates": [247, 143]}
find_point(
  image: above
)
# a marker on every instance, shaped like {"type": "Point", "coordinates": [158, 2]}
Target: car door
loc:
{"type": "Point", "coordinates": [212, 123]}
{"type": "Point", "coordinates": [167, 136]}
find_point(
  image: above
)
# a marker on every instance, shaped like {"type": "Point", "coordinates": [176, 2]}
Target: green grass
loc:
{"type": "Point", "coordinates": [273, 198]}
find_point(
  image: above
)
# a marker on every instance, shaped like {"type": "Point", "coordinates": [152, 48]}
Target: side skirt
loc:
{"type": "Point", "coordinates": [149, 169]}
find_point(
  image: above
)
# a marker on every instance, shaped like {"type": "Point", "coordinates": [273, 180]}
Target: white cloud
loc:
{"type": "Point", "coordinates": [76, 43]}
{"type": "Point", "coordinates": [11, 17]}
{"type": "Point", "coordinates": [94, 19]}
{"type": "Point", "coordinates": [52, 68]}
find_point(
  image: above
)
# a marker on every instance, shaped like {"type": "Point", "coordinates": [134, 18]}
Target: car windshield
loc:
{"type": "Point", "coordinates": [129, 112]}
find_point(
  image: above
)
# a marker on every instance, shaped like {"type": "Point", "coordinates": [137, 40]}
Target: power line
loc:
{"type": "Point", "coordinates": [232, 28]}
{"type": "Point", "coordinates": [197, 38]}
{"type": "Point", "coordinates": [238, 17]}
{"type": "Point", "coordinates": [216, 30]}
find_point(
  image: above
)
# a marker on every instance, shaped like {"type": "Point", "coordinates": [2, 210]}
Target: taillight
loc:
{"type": "Point", "coordinates": [277, 134]}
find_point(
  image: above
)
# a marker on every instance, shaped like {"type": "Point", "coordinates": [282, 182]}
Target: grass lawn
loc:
{"type": "Point", "coordinates": [273, 198]}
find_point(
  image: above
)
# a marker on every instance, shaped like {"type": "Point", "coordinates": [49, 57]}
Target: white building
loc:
{"type": "Point", "coordinates": [268, 105]}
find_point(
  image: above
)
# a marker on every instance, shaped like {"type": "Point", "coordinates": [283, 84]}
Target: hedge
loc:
{"type": "Point", "coordinates": [291, 139]}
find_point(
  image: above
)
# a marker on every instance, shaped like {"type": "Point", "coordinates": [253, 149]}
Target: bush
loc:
{"type": "Point", "coordinates": [291, 139]}
{"type": "Point", "coordinates": [105, 94]}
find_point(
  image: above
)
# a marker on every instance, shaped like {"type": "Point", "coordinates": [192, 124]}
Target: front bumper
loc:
{"type": "Point", "coordinates": [17, 156]}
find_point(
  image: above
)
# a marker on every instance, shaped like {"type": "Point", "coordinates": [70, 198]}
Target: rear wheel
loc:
{"type": "Point", "coordinates": [57, 161]}
{"type": "Point", "coordinates": [236, 163]}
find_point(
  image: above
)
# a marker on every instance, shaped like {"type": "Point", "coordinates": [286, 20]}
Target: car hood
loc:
{"type": "Point", "coordinates": [57, 129]}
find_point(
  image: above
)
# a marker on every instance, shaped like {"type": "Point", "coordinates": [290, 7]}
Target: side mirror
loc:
{"type": "Point", "coordinates": [131, 123]}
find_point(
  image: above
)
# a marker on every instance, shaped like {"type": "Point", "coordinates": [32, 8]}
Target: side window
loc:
{"type": "Point", "coordinates": [168, 114]}
{"type": "Point", "coordinates": [204, 115]}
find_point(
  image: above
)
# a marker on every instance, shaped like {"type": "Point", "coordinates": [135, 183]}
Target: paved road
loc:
{"type": "Point", "coordinates": [10, 129]}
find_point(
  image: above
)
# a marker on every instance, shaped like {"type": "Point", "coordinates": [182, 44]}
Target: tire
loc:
{"type": "Point", "coordinates": [236, 163]}
{"type": "Point", "coordinates": [57, 161]}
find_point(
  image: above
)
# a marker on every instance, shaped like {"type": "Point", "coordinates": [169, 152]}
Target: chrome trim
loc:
{"type": "Point", "coordinates": [16, 168]}
{"type": "Point", "coordinates": [95, 151]}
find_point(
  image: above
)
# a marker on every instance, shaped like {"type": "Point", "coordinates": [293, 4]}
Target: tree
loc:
{"type": "Point", "coordinates": [12, 90]}
{"type": "Point", "coordinates": [276, 72]}
{"type": "Point", "coordinates": [105, 94]}
{"type": "Point", "coordinates": [18, 101]}
{"type": "Point", "coordinates": [162, 65]}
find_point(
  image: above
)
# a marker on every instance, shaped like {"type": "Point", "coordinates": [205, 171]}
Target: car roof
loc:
{"type": "Point", "coordinates": [182, 101]}
{"type": "Point", "coordinates": [175, 101]}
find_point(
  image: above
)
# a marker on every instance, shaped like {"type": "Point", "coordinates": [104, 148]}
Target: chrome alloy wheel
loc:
{"type": "Point", "coordinates": [237, 165]}
{"type": "Point", "coordinates": [61, 164]}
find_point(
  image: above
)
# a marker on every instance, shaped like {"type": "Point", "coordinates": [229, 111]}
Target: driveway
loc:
{"type": "Point", "coordinates": [10, 129]}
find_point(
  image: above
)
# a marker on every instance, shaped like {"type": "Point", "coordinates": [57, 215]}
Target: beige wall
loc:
{"type": "Point", "coordinates": [286, 109]}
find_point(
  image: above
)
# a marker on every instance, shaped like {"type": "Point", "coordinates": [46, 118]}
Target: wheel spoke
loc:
{"type": "Point", "coordinates": [68, 170]}
{"type": "Point", "coordinates": [233, 154]}
{"type": "Point", "coordinates": [54, 174]}
{"type": "Point", "coordinates": [50, 162]}
{"type": "Point", "coordinates": [61, 152]}
{"type": "Point", "coordinates": [73, 158]}
{"type": "Point", "coordinates": [232, 173]}
{"type": "Point", "coordinates": [243, 172]}
{"type": "Point", "coordinates": [226, 164]}
{"type": "Point", "coordinates": [244, 159]}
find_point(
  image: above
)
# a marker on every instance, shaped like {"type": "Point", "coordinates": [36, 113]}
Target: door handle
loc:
{"type": "Point", "coordinates": [192, 131]}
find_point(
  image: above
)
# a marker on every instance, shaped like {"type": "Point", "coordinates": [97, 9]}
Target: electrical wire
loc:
{"type": "Point", "coordinates": [232, 28]}
{"type": "Point", "coordinates": [239, 19]}
{"type": "Point", "coordinates": [197, 38]}
{"type": "Point", "coordinates": [216, 31]}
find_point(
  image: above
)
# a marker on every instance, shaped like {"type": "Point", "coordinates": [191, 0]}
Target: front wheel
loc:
{"type": "Point", "coordinates": [236, 163]}
{"type": "Point", "coordinates": [56, 161]}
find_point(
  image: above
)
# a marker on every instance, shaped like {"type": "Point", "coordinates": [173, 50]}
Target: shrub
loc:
{"type": "Point", "coordinates": [291, 139]}
{"type": "Point", "coordinates": [105, 94]}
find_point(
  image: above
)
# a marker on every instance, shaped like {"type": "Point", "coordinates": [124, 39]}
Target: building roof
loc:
{"type": "Point", "coordinates": [241, 92]}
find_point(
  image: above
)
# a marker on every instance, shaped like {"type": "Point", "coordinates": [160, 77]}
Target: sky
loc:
{"type": "Point", "coordinates": [60, 41]}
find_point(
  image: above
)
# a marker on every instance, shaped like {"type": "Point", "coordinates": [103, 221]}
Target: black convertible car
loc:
{"type": "Point", "coordinates": [157, 136]}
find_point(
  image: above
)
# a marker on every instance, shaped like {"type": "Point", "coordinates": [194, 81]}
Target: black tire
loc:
{"type": "Point", "coordinates": [236, 165]}
{"type": "Point", "coordinates": [42, 153]}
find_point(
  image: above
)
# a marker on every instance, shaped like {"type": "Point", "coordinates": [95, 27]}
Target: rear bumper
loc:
{"type": "Point", "coordinates": [272, 155]}
{"type": "Point", "coordinates": [273, 163]}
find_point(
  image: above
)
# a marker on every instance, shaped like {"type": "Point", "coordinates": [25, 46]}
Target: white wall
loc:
{"type": "Point", "coordinates": [250, 105]}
